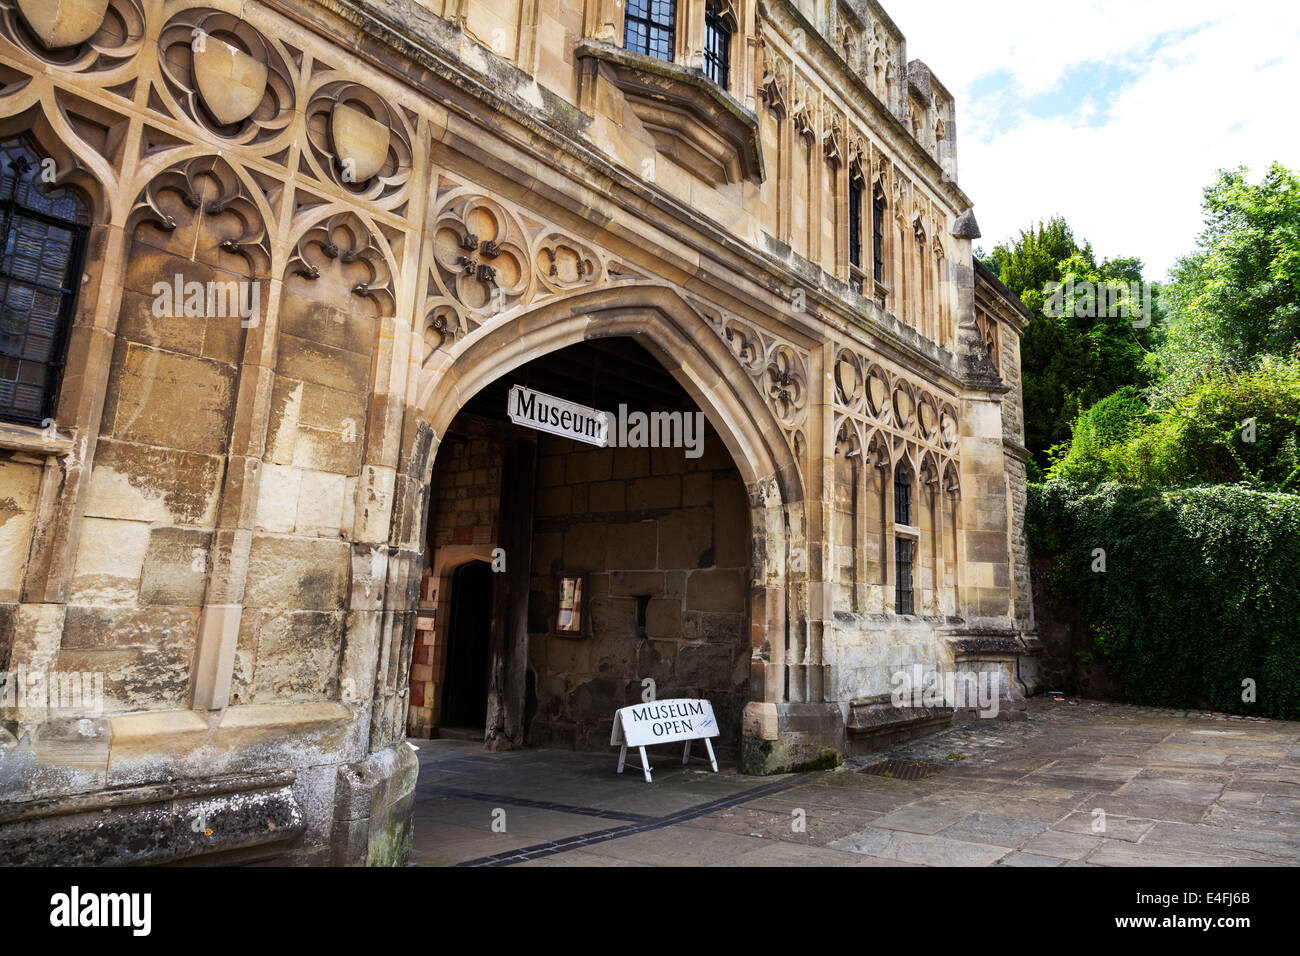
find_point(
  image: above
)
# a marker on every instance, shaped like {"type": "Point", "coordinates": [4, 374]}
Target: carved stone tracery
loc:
{"type": "Point", "coordinates": [359, 142]}
{"type": "Point", "coordinates": [79, 36]}
{"type": "Point", "coordinates": [778, 369]}
{"type": "Point", "coordinates": [226, 76]}
{"type": "Point", "coordinates": [348, 248]}
{"type": "Point", "coordinates": [489, 257]}
{"type": "Point", "coordinates": [886, 402]}
{"type": "Point", "coordinates": [209, 186]}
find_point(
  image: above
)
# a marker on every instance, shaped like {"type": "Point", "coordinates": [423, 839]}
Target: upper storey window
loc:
{"type": "Point", "coordinates": [878, 236]}
{"type": "Point", "coordinates": [855, 222]}
{"type": "Point", "coordinates": [651, 27]}
{"type": "Point", "coordinates": [42, 237]}
{"type": "Point", "coordinates": [717, 45]}
{"type": "Point", "coordinates": [902, 497]}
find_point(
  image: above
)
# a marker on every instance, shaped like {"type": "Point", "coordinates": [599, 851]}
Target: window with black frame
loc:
{"type": "Point", "coordinates": [903, 551]}
{"type": "Point", "coordinates": [855, 222]}
{"type": "Point", "coordinates": [902, 497]}
{"type": "Point", "coordinates": [650, 28]}
{"type": "Point", "coordinates": [43, 231]}
{"type": "Point", "coordinates": [904, 547]}
{"type": "Point", "coordinates": [878, 237]}
{"type": "Point", "coordinates": [717, 45]}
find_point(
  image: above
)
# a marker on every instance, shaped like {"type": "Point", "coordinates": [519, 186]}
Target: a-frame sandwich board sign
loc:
{"type": "Point", "coordinates": [663, 722]}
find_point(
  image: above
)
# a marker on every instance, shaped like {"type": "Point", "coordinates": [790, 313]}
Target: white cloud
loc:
{"type": "Point", "coordinates": [1210, 87]}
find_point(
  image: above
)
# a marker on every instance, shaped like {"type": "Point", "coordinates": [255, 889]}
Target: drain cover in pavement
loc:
{"type": "Point", "coordinates": [903, 769]}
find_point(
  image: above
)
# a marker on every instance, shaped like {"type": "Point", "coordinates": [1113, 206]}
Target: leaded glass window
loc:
{"type": "Point", "coordinates": [43, 231]}
{"type": "Point", "coordinates": [650, 28]}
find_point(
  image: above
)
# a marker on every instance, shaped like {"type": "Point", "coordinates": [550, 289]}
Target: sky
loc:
{"type": "Point", "coordinates": [1115, 114]}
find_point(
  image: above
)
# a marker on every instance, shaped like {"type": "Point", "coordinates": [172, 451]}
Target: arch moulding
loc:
{"type": "Point", "coordinates": [690, 348]}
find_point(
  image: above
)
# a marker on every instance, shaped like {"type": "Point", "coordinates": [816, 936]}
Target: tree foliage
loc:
{"type": "Point", "coordinates": [1074, 357]}
{"type": "Point", "coordinates": [1236, 298]}
{"type": "Point", "coordinates": [1231, 427]}
{"type": "Point", "coordinates": [1225, 404]}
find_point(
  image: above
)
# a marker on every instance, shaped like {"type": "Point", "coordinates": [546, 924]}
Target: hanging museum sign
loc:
{"type": "Point", "coordinates": [555, 416]}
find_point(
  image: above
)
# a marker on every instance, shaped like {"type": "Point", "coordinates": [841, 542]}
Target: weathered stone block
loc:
{"type": "Point", "coordinates": [19, 485]}
{"type": "Point", "coordinates": [319, 322]}
{"type": "Point", "coordinates": [297, 573]}
{"type": "Point", "coordinates": [607, 496]}
{"type": "Point", "coordinates": [374, 809]}
{"type": "Point", "coordinates": [548, 552]}
{"type": "Point", "coordinates": [704, 665]}
{"type": "Point", "coordinates": [652, 493]}
{"type": "Point", "coordinates": [110, 557]}
{"type": "Point", "coordinates": [663, 619]}
{"type": "Point", "coordinates": [731, 538]}
{"type": "Point", "coordinates": [297, 656]}
{"type": "Point", "coordinates": [311, 361]}
{"type": "Point", "coordinates": [320, 504]}
{"type": "Point", "coordinates": [175, 567]}
{"type": "Point", "coordinates": [686, 539]}
{"type": "Point", "coordinates": [634, 583]}
{"type": "Point", "coordinates": [143, 483]}
{"type": "Point", "coordinates": [717, 590]}
{"type": "Point", "coordinates": [148, 386]}
{"type": "Point", "coordinates": [278, 493]}
{"type": "Point", "coordinates": [587, 466]}
{"type": "Point", "coordinates": [612, 618]}
{"type": "Point", "coordinates": [633, 546]}
{"type": "Point", "coordinates": [584, 546]}
{"type": "Point", "coordinates": [145, 655]}
{"type": "Point", "coordinates": [569, 656]}
{"type": "Point", "coordinates": [631, 463]}
{"type": "Point", "coordinates": [697, 489]}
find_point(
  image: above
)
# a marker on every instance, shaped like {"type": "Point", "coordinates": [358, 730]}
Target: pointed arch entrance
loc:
{"type": "Point", "coordinates": [688, 347]}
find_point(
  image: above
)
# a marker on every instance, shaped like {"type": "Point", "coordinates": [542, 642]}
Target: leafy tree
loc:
{"type": "Point", "coordinates": [1073, 353]}
{"type": "Point", "coordinates": [1237, 296]}
{"type": "Point", "coordinates": [1225, 405]}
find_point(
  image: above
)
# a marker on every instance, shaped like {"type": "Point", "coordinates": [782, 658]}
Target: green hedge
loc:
{"type": "Point", "coordinates": [1201, 588]}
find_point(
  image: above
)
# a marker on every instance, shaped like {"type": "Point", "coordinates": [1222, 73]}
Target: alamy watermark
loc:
{"type": "Point", "coordinates": [1101, 300]}
{"type": "Point", "coordinates": [69, 692]}
{"type": "Point", "coordinates": [238, 298]}
{"type": "Point", "coordinates": [607, 429]}
{"type": "Point", "coordinates": [656, 430]}
{"type": "Point", "coordinates": [974, 690]}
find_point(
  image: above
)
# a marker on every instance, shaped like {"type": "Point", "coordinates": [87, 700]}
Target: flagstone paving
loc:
{"type": "Point", "coordinates": [1079, 783]}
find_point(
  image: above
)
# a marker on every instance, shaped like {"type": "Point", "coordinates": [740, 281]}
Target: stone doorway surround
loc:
{"type": "Point", "coordinates": [662, 320]}
{"type": "Point", "coordinates": [448, 560]}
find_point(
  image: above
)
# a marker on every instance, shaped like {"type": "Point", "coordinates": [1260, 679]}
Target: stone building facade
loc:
{"type": "Point", "coordinates": [265, 264]}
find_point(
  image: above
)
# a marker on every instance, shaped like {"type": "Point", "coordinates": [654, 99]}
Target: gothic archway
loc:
{"type": "Point", "coordinates": [699, 356]}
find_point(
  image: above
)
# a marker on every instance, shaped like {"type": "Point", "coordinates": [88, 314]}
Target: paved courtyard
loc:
{"type": "Point", "coordinates": [1079, 783]}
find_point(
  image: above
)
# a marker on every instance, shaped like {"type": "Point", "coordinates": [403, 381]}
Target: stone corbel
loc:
{"type": "Point", "coordinates": [772, 92]}
{"type": "Point", "coordinates": [708, 130]}
{"type": "Point", "coordinates": [832, 142]}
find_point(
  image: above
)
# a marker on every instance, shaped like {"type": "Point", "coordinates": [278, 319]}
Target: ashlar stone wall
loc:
{"type": "Point", "coordinates": [649, 524]}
